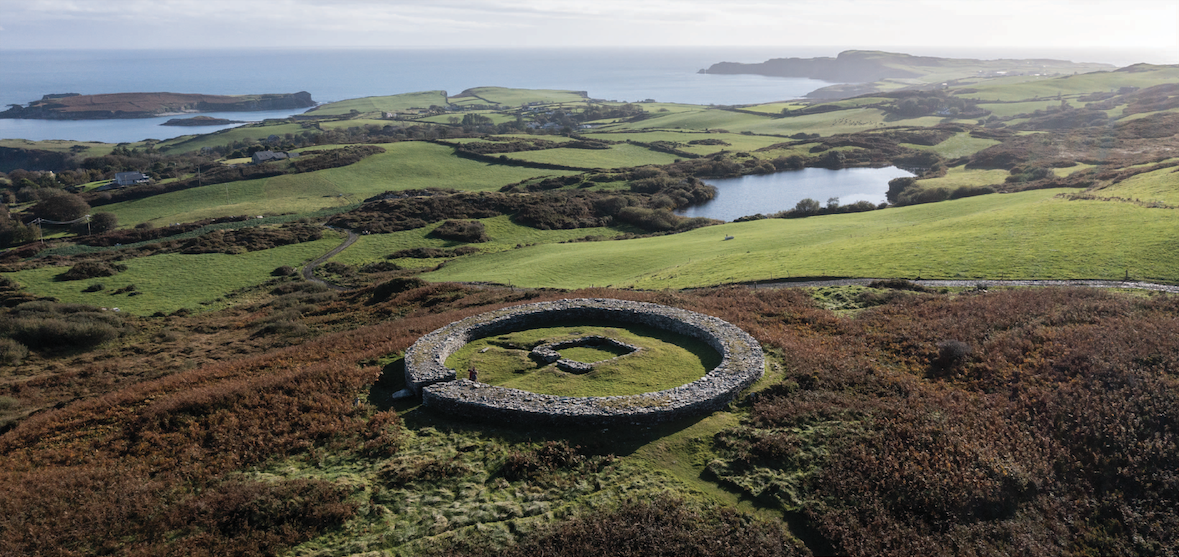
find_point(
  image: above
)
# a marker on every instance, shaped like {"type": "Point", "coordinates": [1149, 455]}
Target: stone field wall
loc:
{"type": "Point", "coordinates": [742, 363]}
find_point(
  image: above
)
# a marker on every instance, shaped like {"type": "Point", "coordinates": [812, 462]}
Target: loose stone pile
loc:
{"type": "Point", "coordinates": [742, 363]}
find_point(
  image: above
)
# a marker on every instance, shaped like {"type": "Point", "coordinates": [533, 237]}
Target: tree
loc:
{"type": "Point", "coordinates": [832, 203]}
{"type": "Point", "coordinates": [103, 222]}
{"type": "Point", "coordinates": [807, 206]}
{"type": "Point", "coordinates": [62, 208]}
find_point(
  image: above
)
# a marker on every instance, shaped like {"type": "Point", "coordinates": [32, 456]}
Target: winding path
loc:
{"type": "Point", "coordinates": [309, 269]}
{"type": "Point", "coordinates": [980, 282]}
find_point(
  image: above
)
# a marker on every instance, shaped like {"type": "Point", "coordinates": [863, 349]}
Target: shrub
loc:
{"type": "Point", "coordinates": [951, 354]}
{"type": "Point", "coordinates": [461, 231]}
{"type": "Point", "coordinates": [284, 271]}
{"type": "Point", "coordinates": [12, 352]}
{"type": "Point", "coordinates": [388, 289]}
{"type": "Point", "coordinates": [380, 267]}
{"type": "Point", "coordinates": [91, 269]}
{"type": "Point", "coordinates": [103, 222]}
{"type": "Point", "coordinates": [96, 287]}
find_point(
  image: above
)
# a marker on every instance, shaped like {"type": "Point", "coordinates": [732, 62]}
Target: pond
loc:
{"type": "Point", "coordinates": [769, 193]}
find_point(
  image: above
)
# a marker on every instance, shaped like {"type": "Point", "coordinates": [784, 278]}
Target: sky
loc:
{"type": "Point", "coordinates": [1142, 25]}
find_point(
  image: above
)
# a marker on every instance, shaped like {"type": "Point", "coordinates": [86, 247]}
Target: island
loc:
{"type": "Point", "coordinates": [73, 106]}
{"type": "Point", "coordinates": [860, 72]}
{"type": "Point", "coordinates": [201, 121]}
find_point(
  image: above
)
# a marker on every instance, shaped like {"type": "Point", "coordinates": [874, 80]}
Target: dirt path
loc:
{"type": "Point", "coordinates": [979, 283]}
{"type": "Point", "coordinates": [309, 269]}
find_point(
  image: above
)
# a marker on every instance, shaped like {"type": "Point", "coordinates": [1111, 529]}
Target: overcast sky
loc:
{"type": "Point", "coordinates": [1090, 24]}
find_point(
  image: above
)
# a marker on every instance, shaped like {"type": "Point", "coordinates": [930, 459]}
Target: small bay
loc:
{"type": "Point", "coordinates": [770, 193]}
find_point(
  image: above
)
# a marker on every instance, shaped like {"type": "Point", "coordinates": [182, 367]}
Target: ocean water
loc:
{"type": "Point", "coordinates": [622, 74]}
{"type": "Point", "coordinates": [616, 73]}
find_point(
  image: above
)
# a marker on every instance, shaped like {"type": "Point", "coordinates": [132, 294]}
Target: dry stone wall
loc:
{"type": "Point", "coordinates": [742, 363]}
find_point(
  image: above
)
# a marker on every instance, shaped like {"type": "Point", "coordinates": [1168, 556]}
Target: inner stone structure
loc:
{"type": "Point", "coordinates": [742, 363]}
{"type": "Point", "coordinates": [549, 353]}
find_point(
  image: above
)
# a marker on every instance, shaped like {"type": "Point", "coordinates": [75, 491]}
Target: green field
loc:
{"type": "Point", "coordinates": [504, 234]}
{"type": "Point", "coordinates": [617, 156]}
{"type": "Point", "coordinates": [250, 133]}
{"type": "Point", "coordinates": [92, 148]}
{"type": "Point", "coordinates": [1003, 236]}
{"type": "Point", "coordinates": [1026, 88]}
{"type": "Point", "coordinates": [958, 145]}
{"type": "Point", "coordinates": [959, 176]}
{"type": "Point", "coordinates": [1159, 186]}
{"type": "Point", "coordinates": [405, 165]}
{"type": "Point", "coordinates": [390, 103]}
{"type": "Point", "coordinates": [664, 361]}
{"type": "Point", "coordinates": [169, 282]}
{"type": "Point", "coordinates": [517, 97]}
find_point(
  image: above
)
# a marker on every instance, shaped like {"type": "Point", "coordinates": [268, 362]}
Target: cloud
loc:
{"type": "Point", "coordinates": [549, 23]}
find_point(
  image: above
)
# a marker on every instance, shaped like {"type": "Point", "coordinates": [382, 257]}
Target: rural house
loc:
{"type": "Point", "coordinates": [267, 156]}
{"type": "Point", "coordinates": [130, 178]}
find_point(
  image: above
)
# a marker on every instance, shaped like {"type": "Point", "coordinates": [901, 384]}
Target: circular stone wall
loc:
{"type": "Point", "coordinates": [742, 363]}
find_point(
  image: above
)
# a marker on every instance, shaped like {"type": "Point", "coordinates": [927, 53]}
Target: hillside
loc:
{"type": "Point", "coordinates": [188, 372]}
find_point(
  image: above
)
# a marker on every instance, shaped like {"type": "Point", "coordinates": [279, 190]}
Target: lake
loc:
{"type": "Point", "coordinates": [769, 193]}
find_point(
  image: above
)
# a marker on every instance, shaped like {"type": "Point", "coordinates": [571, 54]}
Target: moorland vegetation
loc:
{"type": "Point", "coordinates": [170, 384]}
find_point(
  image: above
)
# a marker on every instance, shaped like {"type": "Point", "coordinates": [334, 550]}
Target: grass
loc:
{"type": "Point", "coordinates": [664, 361]}
{"type": "Point", "coordinates": [617, 156]}
{"type": "Point", "coordinates": [1024, 88]}
{"type": "Point", "coordinates": [249, 133]}
{"type": "Point", "coordinates": [93, 148]}
{"type": "Point", "coordinates": [959, 176]}
{"type": "Point", "coordinates": [1161, 186]}
{"type": "Point", "coordinates": [736, 141]}
{"type": "Point", "coordinates": [517, 97]}
{"type": "Point", "coordinates": [505, 235]}
{"type": "Point", "coordinates": [390, 103]}
{"type": "Point", "coordinates": [958, 145]}
{"type": "Point", "coordinates": [1008, 236]}
{"type": "Point", "coordinates": [168, 282]}
{"type": "Point", "coordinates": [404, 165]}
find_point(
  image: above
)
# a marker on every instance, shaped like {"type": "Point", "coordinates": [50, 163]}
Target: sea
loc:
{"type": "Point", "coordinates": [610, 73]}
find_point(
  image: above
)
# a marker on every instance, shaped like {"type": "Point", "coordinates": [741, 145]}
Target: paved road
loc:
{"type": "Point", "coordinates": [309, 269]}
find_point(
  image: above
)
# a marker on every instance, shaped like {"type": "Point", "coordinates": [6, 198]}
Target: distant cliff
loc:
{"type": "Point", "coordinates": [852, 66]}
{"type": "Point", "coordinates": [147, 105]}
{"type": "Point", "coordinates": [860, 72]}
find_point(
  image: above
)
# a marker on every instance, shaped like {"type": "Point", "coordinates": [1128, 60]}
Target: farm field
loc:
{"type": "Point", "coordinates": [617, 156]}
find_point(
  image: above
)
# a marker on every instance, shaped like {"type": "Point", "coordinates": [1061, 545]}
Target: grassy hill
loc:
{"type": "Point", "coordinates": [1014, 236]}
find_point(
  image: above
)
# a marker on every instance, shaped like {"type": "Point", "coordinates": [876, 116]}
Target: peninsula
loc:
{"type": "Point", "coordinates": [859, 72]}
{"type": "Point", "coordinates": [72, 106]}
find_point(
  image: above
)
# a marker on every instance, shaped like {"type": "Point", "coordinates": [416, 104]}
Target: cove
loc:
{"type": "Point", "coordinates": [769, 193]}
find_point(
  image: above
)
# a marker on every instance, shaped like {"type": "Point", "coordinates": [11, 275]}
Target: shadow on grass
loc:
{"type": "Point", "coordinates": [618, 441]}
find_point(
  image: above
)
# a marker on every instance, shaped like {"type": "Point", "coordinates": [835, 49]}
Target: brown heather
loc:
{"type": "Point", "coordinates": [1056, 433]}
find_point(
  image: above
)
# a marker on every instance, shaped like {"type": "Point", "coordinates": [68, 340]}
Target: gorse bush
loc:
{"type": "Point", "coordinates": [462, 231]}
{"type": "Point", "coordinates": [52, 326]}
{"type": "Point", "coordinates": [92, 269]}
{"type": "Point", "coordinates": [12, 352]}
